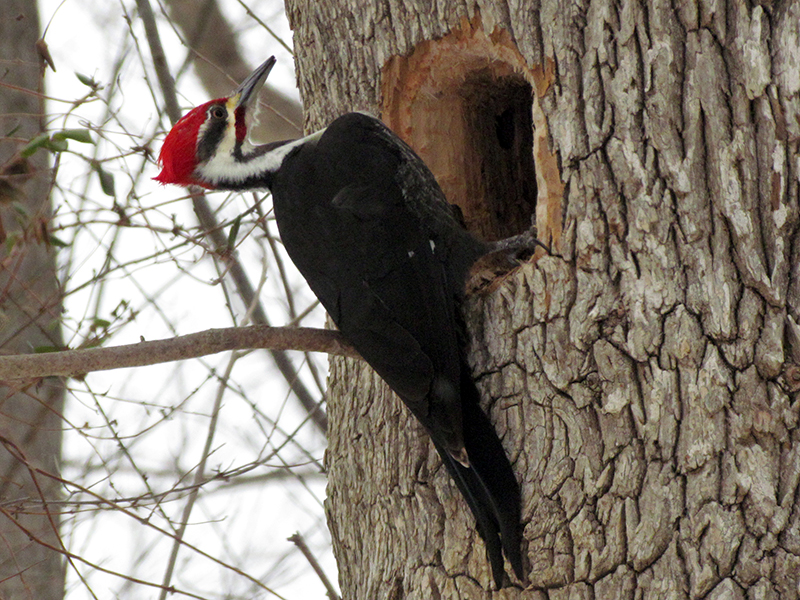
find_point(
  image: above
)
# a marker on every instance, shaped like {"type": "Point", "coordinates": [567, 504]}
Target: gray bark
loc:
{"type": "Point", "coordinates": [30, 311]}
{"type": "Point", "coordinates": [643, 378]}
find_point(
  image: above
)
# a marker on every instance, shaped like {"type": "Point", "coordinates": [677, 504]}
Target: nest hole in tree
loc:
{"type": "Point", "coordinates": [497, 155]}
{"type": "Point", "coordinates": [467, 103]}
{"type": "Point", "coordinates": [471, 122]}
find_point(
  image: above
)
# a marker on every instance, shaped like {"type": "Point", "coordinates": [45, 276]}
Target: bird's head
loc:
{"type": "Point", "coordinates": [206, 147]}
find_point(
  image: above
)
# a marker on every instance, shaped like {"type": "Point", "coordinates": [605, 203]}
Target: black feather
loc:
{"type": "Point", "coordinates": [367, 225]}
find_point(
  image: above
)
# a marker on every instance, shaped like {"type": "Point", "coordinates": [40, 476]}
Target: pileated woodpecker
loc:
{"type": "Point", "coordinates": [369, 228]}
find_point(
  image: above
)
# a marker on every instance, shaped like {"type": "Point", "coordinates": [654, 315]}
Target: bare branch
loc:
{"type": "Point", "coordinates": [165, 80]}
{"type": "Point", "coordinates": [199, 475]}
{"type": "Point", "coordinates": [298, 541]}
{"type": "Point", "coordinates": [212, 341]}
{"type": "Point", "coordinates": [13, 449]}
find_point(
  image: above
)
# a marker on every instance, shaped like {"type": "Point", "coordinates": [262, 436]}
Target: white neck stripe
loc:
{"type": "Point", "coordinates": [224, 167]}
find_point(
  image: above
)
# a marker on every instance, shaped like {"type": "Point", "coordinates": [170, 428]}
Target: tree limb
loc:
{"type": "Point", "coordinates": [77, 362]}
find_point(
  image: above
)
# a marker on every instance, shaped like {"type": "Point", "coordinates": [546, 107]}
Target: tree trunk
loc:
{"type": "Point", "coordinates": [30, 312]}
{"type": "Point", "coordinates": [644, 376]}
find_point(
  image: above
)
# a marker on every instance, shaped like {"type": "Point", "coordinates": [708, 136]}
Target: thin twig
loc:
{"type": "Point", "coordinates": [222, 482]}
{"type": "Point", "coordinates": [14, 449]}
{"type": "Point", "coordinates": [76, 557]}
{"type": "Point", "coordinates": [199, 475]}
{"type": "Point", "coordinates": [298, 541]}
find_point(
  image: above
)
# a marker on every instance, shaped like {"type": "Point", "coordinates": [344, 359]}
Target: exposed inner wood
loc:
{"type": "Point", "coordinates": [467, 106]}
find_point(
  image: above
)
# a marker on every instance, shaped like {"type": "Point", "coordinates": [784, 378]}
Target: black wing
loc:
{"type": "Point", "coordinates": [379, 263]}
{"type": "Point", "coordinates": [368, 227]}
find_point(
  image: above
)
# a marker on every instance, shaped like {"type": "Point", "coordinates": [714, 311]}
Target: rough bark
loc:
{"type": "Point", "coordinates": [30, 311]}
{"type": "Point", "coordinates": [644, 377]}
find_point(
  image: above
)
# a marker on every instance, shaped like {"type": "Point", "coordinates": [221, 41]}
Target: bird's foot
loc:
{"type": "Point", "coordinates": [503, 257]}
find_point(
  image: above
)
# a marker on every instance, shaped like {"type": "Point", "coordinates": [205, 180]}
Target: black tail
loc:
{"type": "Point", "coordinates": [489, 485]}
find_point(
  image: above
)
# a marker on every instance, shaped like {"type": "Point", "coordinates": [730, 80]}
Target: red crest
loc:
{"type": "Point", "coordinates": [178, 153]}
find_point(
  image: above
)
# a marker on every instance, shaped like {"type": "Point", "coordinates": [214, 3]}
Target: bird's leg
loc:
{"type": "Point", "coordinates": [515, 245]}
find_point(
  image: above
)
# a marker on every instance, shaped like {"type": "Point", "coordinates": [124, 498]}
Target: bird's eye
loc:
{"type": "Point", "coordinates": [217, 112]}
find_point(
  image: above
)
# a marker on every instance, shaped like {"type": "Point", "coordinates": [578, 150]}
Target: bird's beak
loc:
{"type": "Point", "coordinates": [248, 91]}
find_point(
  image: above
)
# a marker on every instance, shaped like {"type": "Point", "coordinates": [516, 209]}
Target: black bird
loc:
{"type": "Point", "coordinates": [369, 228]}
